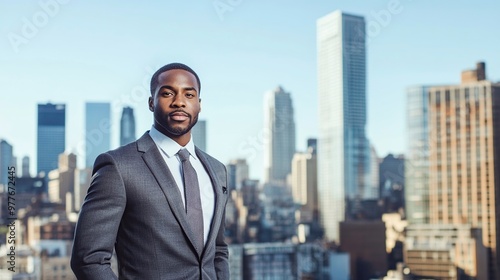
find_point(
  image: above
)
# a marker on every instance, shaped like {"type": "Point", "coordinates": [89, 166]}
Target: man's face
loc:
{"type": "Point", "coordinates": [176, 103]}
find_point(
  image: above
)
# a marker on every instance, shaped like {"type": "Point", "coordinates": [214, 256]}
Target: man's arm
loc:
{"type": "Point", "coordinates": [98, 223]}
{"type": "Point", "coordinates": [221, 252]}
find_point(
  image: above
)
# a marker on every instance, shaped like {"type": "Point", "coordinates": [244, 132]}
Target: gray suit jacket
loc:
{"type": "Point", "coordinates": [133, 205]}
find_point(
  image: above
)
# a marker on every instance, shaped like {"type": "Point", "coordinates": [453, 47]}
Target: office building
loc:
{"type": "Point", "coordinates": [51, 136]}
{"type": "Point", "coordinates": [25, 167]}
{"type": "Point", "coordinates": [199, 134]}
{"type": "Point", "coordinates": [365, 243]}
{"type": "Point", "coordinates": [97, 130]}
{"type": "Point", "coordinates": [464, 157]}
{"type": "Point", "coordinates": [304, 183]}
{"type": "Point", "coordinates": [416, 167]}
{"type": "Point", "coordinates": [448, 252]}
{"type": "Point", "coordinates": [391, 183]}
{"type": "Point", "coordinates": [373, 189]}
{"type": "Point", "coordinates": [237, 173]}
{"type": "Point", "coordinates": [280, 128]}
{"type": "Point", "coordinates": [6, 161]}
{"type": "Point", "coordinates": [127, 126]}
{"type": "Point", "coordinates": [343, 149]}
{"type": "Point", "coordinates": [62, 181]}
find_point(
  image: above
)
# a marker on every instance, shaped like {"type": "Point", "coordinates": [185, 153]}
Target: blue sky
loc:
{"type": "Point", "coordinates": [77, 51]}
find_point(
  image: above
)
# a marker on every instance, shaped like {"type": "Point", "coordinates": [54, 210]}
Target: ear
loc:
{"type": "Point", "coordinates": [151, 104]}
{"type": "Point", "coordinates": [200, 104]}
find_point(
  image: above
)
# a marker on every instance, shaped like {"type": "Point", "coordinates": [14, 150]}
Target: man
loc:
{"type": "Point", "coordinates": [158, 201]}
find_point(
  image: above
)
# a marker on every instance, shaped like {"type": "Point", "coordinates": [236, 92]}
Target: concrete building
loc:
{"type": "Point", "coordinates": [343, 149]}
{"type": "Point", "coordinates": [304, 183]}
{"type": "Point", "coordinates": [464, 158]}
{"type": "Point", "coordinates": [365, 243]}
{"type": "Point", "coordinates": [62, 181]}
{"type": "Point", "coordinates": [447, 252]}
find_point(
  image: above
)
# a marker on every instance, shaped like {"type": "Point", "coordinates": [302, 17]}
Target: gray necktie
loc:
{"type": "Point", "coordinates": [193, 201]}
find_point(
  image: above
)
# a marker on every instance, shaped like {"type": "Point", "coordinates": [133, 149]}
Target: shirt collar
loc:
{"type": "Point", "coordinates": [169, 146]}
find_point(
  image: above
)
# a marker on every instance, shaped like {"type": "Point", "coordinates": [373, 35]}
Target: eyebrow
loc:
{"type": "Point", "coordinates": [173, 89]}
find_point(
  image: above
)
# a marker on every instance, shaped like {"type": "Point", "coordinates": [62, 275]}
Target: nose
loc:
{"type": "Point", "coordinates": [178, 101]}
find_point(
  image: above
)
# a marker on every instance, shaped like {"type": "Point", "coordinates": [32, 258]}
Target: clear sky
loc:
{"type": "Point", "coordinates": [74, 52]}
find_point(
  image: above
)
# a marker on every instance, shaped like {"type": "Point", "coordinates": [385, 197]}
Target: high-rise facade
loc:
{"type": "Point", "coordinates": [127, 126]}
{"type": "Point", "coordinates": [464, 158]}
{"type": "Point", "coordinates": [304, 183]}
{"type": "Point", "coordinates": [199, 134]}
{"type": "Point", "coordinates": [343, 149]}
{"type": "Point", "coordinates": [237, 173]}
{"type": "Point", "coordinates": [26, 167]}
{"type": "Point", "coordinates": [280, 127]}
{"type": "Point", "coordinates": [51, 135]}
{"type": "Point", "coordinates": [6, 156]}
{"type": "Point", "coordinates": [417, 155]}
{"type": "Point", "coordinates": [97, 130]}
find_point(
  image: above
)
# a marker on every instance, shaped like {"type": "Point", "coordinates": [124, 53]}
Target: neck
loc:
{"type": "Point", "coordinates": [179, 139]}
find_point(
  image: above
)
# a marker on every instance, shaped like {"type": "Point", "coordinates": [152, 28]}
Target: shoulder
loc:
{"type": "Point", "coordinates": [127, 154]}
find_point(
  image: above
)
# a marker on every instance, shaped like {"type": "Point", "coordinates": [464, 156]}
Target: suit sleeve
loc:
{"type": "Point", "coordinates": [221, 250]}
{"type": "Point", "coordinates": [98, 223]}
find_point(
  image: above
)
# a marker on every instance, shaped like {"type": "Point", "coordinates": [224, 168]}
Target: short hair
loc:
{"type": "Point", "coordinates": [172, 66]}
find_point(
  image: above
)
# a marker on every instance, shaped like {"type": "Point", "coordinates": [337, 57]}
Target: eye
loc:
{"type": "Point", "coordinates": [189, 95]}
{"type": "Point", "coordinates": [167, 93]}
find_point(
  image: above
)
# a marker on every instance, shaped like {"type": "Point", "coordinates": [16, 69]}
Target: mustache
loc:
{"type": "Point", "coordinates": [180, 111]}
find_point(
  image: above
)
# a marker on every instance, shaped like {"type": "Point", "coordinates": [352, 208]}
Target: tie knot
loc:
{"type": "Point", "coordinates": [183, 154]}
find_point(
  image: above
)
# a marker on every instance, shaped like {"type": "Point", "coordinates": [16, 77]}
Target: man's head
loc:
{"type": "Point", "coordinates": [172, 66]}
{"type": "Point", "coordinates": [175, 101]}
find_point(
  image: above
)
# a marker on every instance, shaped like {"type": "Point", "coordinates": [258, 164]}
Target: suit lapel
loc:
{"type": "Point", "coordinates": [164, 178]}
{"type": "Point", "coordinates": [218, 186]}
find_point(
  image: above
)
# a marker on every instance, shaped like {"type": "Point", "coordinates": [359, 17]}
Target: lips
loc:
{"type": "Point", "coordinates": [179, 116]}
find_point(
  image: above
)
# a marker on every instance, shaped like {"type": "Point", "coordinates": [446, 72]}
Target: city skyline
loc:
{"type": "Point", "coordinates": [69, 59]}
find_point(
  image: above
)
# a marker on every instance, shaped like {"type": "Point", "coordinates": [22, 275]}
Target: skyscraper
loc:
{"type": "Point", "coordinates": [127, 126]}
{"type": "Point", "coordinates": [304, 178]}
{"type": "Point", "coordinates": [26, 167]}
{"type": "Point", "coordinates": [51, 135]}
{"type": "Point", "coordinates": [97, 130]}
{"type": "Point", "coordinates": [464, 157]}
{"type": "Point", "coordinates": [5, 162]}
{"type": "Point", "coordinates": [199, 133]}
{"type": "Point", "coordinates": [417, 156]}
{"type": "Point", "coordinates": [343, 149]}
{"type": "Point", "coordinates": [237, 173]}
{"type": "Point", "coordinates": [280, 126]}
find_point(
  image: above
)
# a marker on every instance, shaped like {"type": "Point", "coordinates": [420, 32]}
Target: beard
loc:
{"type": "Point", "coordinates": [177, 130]}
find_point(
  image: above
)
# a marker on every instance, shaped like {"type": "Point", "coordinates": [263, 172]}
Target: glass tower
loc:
{"type": "Point", "coordinates": [280, 126]}
{"type": "Point", "coordinates": [51, 135]}
{"type": "Point", "coordinates": [6, 160]}
{"type": "Point", "coordinates": [343, 150]}
{"type": "Point", "coordinates": [417, 156]}
{"type": "Point", "coordinates": [199, 133]}
{"type": "Point", "coordinates": [97, 130]}
{"type": "Point", "coordinates": [127, 126]}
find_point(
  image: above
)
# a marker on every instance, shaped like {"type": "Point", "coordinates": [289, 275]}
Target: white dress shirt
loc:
{"type": "Point", "coordinates": [168, 149]}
